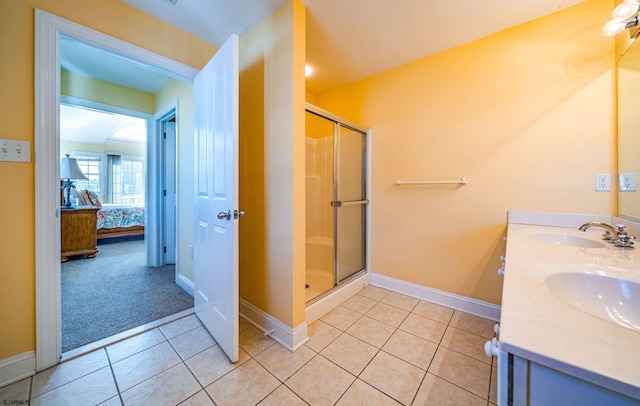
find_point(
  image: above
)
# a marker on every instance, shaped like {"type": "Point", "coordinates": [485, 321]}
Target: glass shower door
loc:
{"type": "Point", "coordinates": [350, 202]}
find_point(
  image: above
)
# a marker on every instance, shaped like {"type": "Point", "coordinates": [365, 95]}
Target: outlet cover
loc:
{"type": "Point", "coordinates": [627, 182]}
{"type": "Point", "coordinates": [603, 182]}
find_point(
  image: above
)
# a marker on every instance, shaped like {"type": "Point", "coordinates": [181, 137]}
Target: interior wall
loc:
{"type": "Point", "coordinates": [183, 91]}
{"type": "Point", "coordinates": [526, 115]}
{"type": "Point", "coordinates": [17, 240]}
{"type": "Point", "coordinates": [272, 164]}
{"type": "Point", "coordinates": [88, 88]}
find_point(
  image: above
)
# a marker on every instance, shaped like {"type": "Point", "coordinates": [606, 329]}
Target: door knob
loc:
{"type": "Point", "coordinates": [222, 215]}
{"type": "Point", "coordinates": [238, 214]}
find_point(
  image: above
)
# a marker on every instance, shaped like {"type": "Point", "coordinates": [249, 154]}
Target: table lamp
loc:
{"type": "Point", "coordinates": [69, 170]}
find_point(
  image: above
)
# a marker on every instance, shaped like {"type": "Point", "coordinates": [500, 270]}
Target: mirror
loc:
{"type": "Point", "coordinates": [629, 128]}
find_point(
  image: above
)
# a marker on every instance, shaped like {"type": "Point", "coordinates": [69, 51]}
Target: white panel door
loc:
{"type": "Point", "coordinates": [216, 185]}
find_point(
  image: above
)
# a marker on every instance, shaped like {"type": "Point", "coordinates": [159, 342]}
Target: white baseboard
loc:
{"type": "Point", "coordinates": [185, 284]}
{"type": "Point", "coordinates": [290, 338]}
{"type": "Point", "coordinates": [18, 367]}
{"type": "Point", "coordinates": [335, 299]}
{"type": "Point", "coordinates": [468, 305]}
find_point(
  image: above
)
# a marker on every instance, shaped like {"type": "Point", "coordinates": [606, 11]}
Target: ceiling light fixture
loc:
{"type": "Point", "coordinates": [308, 70]}
{"type": "Point", "coordinates": [624, 16]}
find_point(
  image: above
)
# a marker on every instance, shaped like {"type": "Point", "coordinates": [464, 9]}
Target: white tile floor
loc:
{"type": "Point", "coordinates": [377, 348]}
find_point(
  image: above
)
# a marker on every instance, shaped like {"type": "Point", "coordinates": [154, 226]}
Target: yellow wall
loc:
{"type": "Point", "coordinates": [17, 239]}
{"type": "Point", "coordinates": [525, 115]}
{"type": "Point", "coordinates": [88, 88]}
{"type": "Point", "coordinates": [183, 91]}
{"type": "Point", "coordinates": [272, 164]}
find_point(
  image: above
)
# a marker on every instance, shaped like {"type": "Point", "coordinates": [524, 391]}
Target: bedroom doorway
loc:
{"type": "Point", "coordinates": [137, 170]}
{"type": "Point", "coordinates": [50, 29]}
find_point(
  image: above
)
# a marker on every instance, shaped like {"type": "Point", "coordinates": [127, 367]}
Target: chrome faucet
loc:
{"type": "Point", "coordinates": [615, 235]}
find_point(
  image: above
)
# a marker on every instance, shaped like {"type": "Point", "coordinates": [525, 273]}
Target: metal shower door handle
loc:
{"type": "Point", "coordinates": [222, 215]}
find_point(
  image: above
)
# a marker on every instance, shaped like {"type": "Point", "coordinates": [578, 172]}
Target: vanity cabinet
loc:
{"type": "Point", "coordinates": [524, 382]}
{"type": "Point", "coordinates": [78, 232]}
{"type": "Point", "coordinates": [551, 348]}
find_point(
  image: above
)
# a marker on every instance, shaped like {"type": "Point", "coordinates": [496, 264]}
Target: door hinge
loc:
{"type": "Point", "coordinates": [164, 135]}
{"type": "Point", "coordinates": [164, 249]}
{"type": "Point", "coordinates": [164, 192]}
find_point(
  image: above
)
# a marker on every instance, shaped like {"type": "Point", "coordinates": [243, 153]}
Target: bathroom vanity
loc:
{"type": "Point", "coordinates": [569, 331]}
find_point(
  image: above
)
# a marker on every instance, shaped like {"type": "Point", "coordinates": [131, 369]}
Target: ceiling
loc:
{"type": "Point", "coordinates": [95, 127]}
{"type": "Point", "coordinates": [348, 40]}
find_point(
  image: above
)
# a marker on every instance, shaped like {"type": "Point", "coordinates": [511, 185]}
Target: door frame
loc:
{"type": "Point", "coordinates": [49, 29]}
{"type": "Point", "coordinates": [169, 223]}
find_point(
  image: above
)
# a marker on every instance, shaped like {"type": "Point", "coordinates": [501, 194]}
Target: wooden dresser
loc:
{"type": "Point", "coordinates": [78, 229]}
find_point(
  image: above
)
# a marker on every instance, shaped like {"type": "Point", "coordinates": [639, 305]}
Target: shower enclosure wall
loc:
{"type": "Point", "coordinates": [336, 202]}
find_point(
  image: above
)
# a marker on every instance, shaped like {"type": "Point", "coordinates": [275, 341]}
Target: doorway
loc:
{"type": "Point", "coordinates": [47, 145]}
{"type": "Point", "coordinates": [114, 290]}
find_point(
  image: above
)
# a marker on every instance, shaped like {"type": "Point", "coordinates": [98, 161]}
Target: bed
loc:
{"type": "Point", "coordinates": [114, 220]}
{"type": "Point", "coordinates": [120, 221]}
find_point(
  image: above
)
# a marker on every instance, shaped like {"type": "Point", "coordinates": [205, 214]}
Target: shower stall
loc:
{"type": "Point", "coordinates": [336, 202]}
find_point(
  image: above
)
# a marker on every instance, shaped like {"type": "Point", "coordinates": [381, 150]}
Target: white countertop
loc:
{"type": "Point", "coordinates": [537, 325]}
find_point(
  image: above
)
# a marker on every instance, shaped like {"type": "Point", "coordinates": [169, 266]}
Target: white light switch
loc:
{"type": "Point", "coordinates": [15, 151]}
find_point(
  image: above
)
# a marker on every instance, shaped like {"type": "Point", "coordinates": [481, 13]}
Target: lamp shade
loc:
{"type": "Point", "coordinates": [69, 169]}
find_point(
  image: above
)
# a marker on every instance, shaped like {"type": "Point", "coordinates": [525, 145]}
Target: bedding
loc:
{"type": "Point", "coordinates": [113, 216]}
{"type": "Point", "coordinates": [120, 221]}
{"type": "Point", "coordinates": [114, 220]}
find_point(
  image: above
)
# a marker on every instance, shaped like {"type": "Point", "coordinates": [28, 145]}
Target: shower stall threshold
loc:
{"type": "Point", "coordinates": [323, 304]}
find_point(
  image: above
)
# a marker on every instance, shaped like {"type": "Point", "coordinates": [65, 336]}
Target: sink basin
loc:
{"type": "Point", "coordinates": [609, 293]}
{"type": "Point", "coordinates": [566, 238]}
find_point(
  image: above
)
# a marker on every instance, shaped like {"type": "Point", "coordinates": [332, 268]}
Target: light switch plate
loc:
{"type": "Point", "coordinates": [15, 151]}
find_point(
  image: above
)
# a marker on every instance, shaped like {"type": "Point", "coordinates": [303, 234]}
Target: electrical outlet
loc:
{"type": "Point", "coordinates": [603, 182]}
{"type": "Point", "coordinates": [627, 182]}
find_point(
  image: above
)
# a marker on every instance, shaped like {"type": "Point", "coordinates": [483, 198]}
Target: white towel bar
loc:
{"type": "Point", "coordinates": [462, 181]}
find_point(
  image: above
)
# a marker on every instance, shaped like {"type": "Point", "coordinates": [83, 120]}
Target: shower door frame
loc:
{"type": "Point", "coordinates": [366, 158]}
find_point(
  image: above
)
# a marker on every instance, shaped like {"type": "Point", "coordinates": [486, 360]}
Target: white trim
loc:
{"type": "Point", "coordinates": [457, 302]}
{"type": "Point", "coordinates": [323, 306]}
{"type": "Point", "coordinates": [185, 284]}
{"type": "Point", "coordinates": [47, 169]}
{"type": "Point", "coordinates": [18, 367]}
{"type": "Point", "coordinates": [290, 338]}
{"type": "Point", "coordinates": [49, 28]}
{"type": "Point", "coordinates": [154, 186]}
